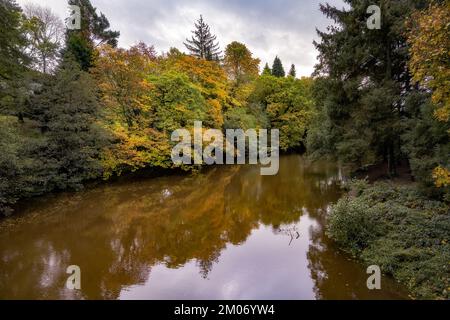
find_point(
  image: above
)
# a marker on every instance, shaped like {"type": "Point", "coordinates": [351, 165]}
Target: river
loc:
{"type": "Point", "coordinates": [228, 233]}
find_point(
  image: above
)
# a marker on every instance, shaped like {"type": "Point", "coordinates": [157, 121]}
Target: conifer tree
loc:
{"type": "Point", "coordinates": [12, 42]}
{"type": "Point", "coordinates": [364, 84]}
{"type": "Point", "coordinates": [267, 71]}
{"type": "Point", "coordinates": [203, 44]}
{"type": "Point", "coordinates": [292, 71]}
{"type": "Point", "coordinates": [14, 60]}
{"type": "Point", "coordinates": [95, 30]}
{"type": "Point", "coordinates": [66, 111]}
{"type": "Point", "coordinates": [277, 69]}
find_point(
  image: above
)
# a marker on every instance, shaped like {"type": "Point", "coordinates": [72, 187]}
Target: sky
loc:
{"type": "Point", "coordinates": [269, 28]}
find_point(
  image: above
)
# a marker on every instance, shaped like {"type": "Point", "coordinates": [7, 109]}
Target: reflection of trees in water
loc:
{"type": "Point", "coordinates": [335, 275]}
{"type": "Point", "coordinates": [206, 265]}
{"type": "Point", "coordinates": [290, 231]}
{"type": "Point", "coordinates": [118, 233]}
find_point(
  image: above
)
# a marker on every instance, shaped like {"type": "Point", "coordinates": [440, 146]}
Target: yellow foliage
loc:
{"type": "Point", "coordinates": [430, 54]}
{"type": "Point", "coordinates": [442, 177]}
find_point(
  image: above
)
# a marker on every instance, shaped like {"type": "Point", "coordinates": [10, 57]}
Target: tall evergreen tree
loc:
{"type": "Point", "coordinates": [203, 44]}
{"type": "Point", "coordinates": [365, 83]}
{"type": "Point", "coordinates": [95, 30]}
{"type": "Point", "coordinates": [12, 40]}
{"type": "Point", "coordinates": [292, 71]}
{"type": "Point", "coordinates": [66, 111]}
{"type": "Point", "coordinates": [267, 71]}
{"type": "Point", "coordinates": [277, 68]}
{"type": "Point", "coordinates": [13, 58]}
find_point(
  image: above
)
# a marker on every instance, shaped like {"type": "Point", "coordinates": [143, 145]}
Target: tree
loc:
{"type": "Point", "coordinates": [267, 71]}
{"type": "Point", "coordinates": [239, 63]}
{"type": "Point", "coordinates": [277, 68]}
{"type": "Point", "coordinates": [287, 103]}
{"type": "Point", "coordinates": [45, 35]}
{"type": "Point", "coordinates": [66, 112]}
{"type": "Point", "coordinates": [14, 60]}
{"type": "Point", "coordinates": [210, 79]}
{"type": "Point", "coordinates": [121, 77]}
{"type": "Point", "coordinates": [365, 82]}
{"type": "Point", "coordinates": [427, 136]}
{"type": "Point", "coordinates": [81, 44]}
{"type": "Point", "coordinates": [203, 44]}
{"type": "Point", "coordinates": [429, 46]}
{"type": "Point", "coordinates": [292, 71]}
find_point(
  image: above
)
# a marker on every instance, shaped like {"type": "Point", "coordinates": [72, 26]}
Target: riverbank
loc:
{"type": "Point", "coordinates": [394, 226]}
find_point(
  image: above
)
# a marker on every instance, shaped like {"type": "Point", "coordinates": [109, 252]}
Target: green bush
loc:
{"type": "Point", "coordinates": [399, 229]}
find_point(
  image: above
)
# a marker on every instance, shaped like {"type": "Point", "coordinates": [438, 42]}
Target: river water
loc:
{"type": "Point", "coordinates": [228, 233]}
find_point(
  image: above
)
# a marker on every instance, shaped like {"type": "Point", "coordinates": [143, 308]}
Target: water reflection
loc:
{"type": "Point", "coordinates": [227, 234]}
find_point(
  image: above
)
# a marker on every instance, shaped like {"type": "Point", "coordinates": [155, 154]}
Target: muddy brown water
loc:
{"type": "Point", "coordinates": [229, 233]}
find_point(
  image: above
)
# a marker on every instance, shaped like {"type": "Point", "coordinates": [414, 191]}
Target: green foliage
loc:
{"type": "Point", "coordinates": [426, 143]}
{"type": "Point", "coordinates": [239, 63]}
{"type": "Point", "coordinates": [13, 60]}
{"type": "Point", "coordinates": [57, 146]}
{"type": "Point", "coordinates": [429, 46]}
{"type": "Point", "coordinates": [277, 68]}
{"type": "Point", "coordinates": [80, 44]}
{"type": "Point", "coordinates": [63, 128]}
{"type": "Point", "coordinates": [81, 49]}
{"type": "Point", "coordinates": [365, 81]}
{"type": "Point", "coordinates": [292, 71]}
{"type": "Point", "coordinates": [400, 230]}
{"type": "Point", "coordinates": [267, 71]}
{"type": "Point", "coordinates": [10, 169]}
{"type": "Point", "coordinates": [250, 117]}
{"type": "Point", "coordinates": [178, 102]}
{"type": "Point", "coordinates": [66, 110]}
{"type": "Point", "coordinates": [288, 104]}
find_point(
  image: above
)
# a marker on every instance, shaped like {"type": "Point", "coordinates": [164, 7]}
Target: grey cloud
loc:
{"type": "Point", "coordinates": [284, 27]}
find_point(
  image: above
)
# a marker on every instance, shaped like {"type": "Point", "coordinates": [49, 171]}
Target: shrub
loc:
{"type": "Point", "coordinates": [399, 229]}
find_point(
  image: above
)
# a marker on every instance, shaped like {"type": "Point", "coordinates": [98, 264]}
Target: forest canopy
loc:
{"type": "Point", "coordinates": [85, 108]}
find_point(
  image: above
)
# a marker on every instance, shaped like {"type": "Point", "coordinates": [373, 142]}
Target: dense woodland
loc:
{"type": "Point", "coordinates": [75, 107]}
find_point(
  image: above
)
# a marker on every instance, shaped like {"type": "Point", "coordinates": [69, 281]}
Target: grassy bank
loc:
{"type": "Point", "coordinates": [397, 228]}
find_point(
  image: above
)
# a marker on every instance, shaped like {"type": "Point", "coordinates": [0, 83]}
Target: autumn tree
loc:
{"type": "Point", "coordinates": [277, 68]}
{"type": "Point", "coordinates": [45, 37]}
{"type": "Point", "coordinates": [210, 78]}
{"type": "Point", "coordinates": [203, 44]}
{"type": "Point", "coordinates": [430, 45]}
{"type": "Point", "coordinates": [239, 63]}
{"type": "Point", "coordinates": [428, 134]}
{"type": "Point", "coordinates": [121, 77]}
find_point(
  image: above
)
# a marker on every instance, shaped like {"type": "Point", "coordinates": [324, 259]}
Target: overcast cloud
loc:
{"type": "Point", "coordinates": [278, 27]}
